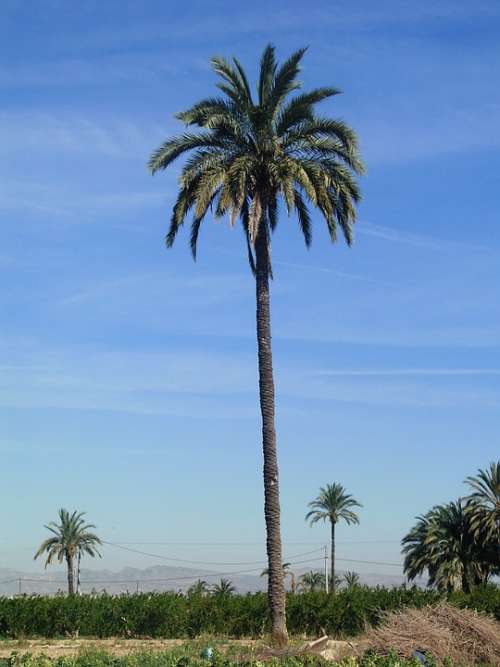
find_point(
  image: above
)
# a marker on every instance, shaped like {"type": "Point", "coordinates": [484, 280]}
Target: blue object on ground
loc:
{"type": "Point", "coordinates": [207, 653]}
{"type": "Point", "coordinates": [420, 657]}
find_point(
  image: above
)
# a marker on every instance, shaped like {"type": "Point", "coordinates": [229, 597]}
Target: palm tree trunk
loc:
{"type": "Point", "coordinates": [332, 564]}
{"type": "Point", "coordinates": [71, 575]}
{"type": "Point", "coordinates": [276, 586]}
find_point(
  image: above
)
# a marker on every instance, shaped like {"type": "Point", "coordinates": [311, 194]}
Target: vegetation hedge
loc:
{"type": "Point", "coordinates": [171, 615]}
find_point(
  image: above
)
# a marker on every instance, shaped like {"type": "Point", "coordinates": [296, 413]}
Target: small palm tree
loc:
{"type": "Point", "coordinates": [333, 504]}
{"type": "Point", "coordinates": [484, 505]}
{"type": "Point", "coordinates": [312, 581]}
{"type": "Point", "coordinates": [200, 587]}
{"type": "Point", "coordinates": [72, 538]}
{"type": "Point", "coordinates": [287, 572]}
{"type": "Point", "coordinates": [251, 153]}
{"type": "Point", "coordinates": [351, 579]}
{"type": "Point", "coordinates": [224, 587]}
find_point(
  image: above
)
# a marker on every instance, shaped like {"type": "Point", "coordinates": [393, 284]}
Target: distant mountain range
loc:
{"type": "Point", "coordinates": [157, 578]}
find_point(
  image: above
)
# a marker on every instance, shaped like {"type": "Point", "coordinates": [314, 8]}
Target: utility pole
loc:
{"type": "Point", "coordinates": [326, 568]}
{"type": "Point", "coordinates": [78, 573]}
{"type": "Point", "coordinates": [136, 587]}
{"type": "Point", "coordinates": [19, 581]}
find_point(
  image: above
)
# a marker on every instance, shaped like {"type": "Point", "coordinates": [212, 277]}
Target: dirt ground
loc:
{"type": "Point", "coordinates": [59, 647]}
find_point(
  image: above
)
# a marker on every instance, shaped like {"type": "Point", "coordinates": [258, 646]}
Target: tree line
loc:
{"type": "Point", "coordinates": [457, 544]}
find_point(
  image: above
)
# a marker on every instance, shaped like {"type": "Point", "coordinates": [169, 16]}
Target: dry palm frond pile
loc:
{"type": "Point", "coordinates": [464, 636]}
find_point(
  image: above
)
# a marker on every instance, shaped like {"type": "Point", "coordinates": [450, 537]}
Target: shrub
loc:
{"type": "Point", "coordinates": [171, 615]}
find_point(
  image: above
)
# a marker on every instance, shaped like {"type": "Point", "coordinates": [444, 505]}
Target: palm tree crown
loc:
{"type": "Point", "coordinates": [70, 537]}
{"type": "Point", "coordinates": [333, 504]}
{"type": "Point", "coordinates": [351, 579]}
{"type": "Point", "coordinates": [223, 587]}
{"type": "Point", "coordinates": [484, 505]}
{"type": "Point", "coordinates": [200, 587]}
{"type": "Point", "coordinates": [312, 581]}
{"type": "Point", "coordinates": [252, 152]}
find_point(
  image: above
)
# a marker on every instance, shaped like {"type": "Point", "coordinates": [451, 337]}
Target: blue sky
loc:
{"type": "Point", "coordinates": [128, 373]}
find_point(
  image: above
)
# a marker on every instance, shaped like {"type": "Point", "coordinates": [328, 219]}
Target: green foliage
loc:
{"type": "Point", "coordinates": [247, 153]}
{"type": "Point", "coordinates": [457, 543]}
{"type": "Point", "coordinates": [69, 537]}
{"type": "Point", "coordinates": [172, 615]}
{"type": "Point", "coordinates": [333, 504]}
{"type": "Point", "coordinates": [484, 505]}
{"type": "Point", "coordinates": [183, 657]}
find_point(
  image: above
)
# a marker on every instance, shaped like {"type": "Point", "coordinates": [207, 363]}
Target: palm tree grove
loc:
{"type": "Point", "coordinates": [196, 484]}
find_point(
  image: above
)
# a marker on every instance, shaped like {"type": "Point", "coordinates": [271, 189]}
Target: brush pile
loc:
{"type": "Point", "coordinates": [461, 635]}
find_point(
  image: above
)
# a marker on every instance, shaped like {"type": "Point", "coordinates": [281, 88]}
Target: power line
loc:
{"type": "Point", "coordinates": [369, 562]}
{"type": "Point", "coordinates": [244, 544]}
{"type": "Point", "coordinates": [197, 562]}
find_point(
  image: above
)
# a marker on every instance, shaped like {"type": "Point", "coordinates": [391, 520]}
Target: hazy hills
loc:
{"type": "Point", "coordinates": [157, 578]}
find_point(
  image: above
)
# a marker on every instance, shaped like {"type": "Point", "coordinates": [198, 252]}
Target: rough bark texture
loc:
{"type": "Point", "coordinates": [71, 580]}
{"type": "Point", "coordinates": [332, 573]}
{"type": "Point", "coordinates": [276, 587]}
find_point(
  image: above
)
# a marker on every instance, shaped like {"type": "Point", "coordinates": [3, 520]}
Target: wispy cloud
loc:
{"type": "Point", "coordinates": [91, 71]}
{"type": "Point", "coordinates": [197, 290]}
{"type": "Point", "coordinates": [36, 132]}
{"type": "Point", "coordinates": [408, 372]}
{"type": "Point", "coordinates": [75, 204]}
{"type": "Point", "coordinates": [423, 241]}
{"type": "Point", "coordinates": [324, 269]}
{"type": "Point", "coordinates": [209, 383]}
{"type": "Point", "coordinates": [283, 20]}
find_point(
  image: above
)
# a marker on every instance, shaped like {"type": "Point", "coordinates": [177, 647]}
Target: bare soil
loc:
{"type": "Point", "coordinates": [55, 648]}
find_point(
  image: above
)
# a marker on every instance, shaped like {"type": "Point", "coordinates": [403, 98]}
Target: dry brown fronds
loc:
{"type": "Point", "coordinates": [465, 636]}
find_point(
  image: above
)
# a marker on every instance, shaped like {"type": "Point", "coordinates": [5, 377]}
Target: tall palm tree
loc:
{"type": "Point", "coordinates": [443, 543]}
{"type": "Point", "coordinates": [71, 539]}
{"type": "Point", "coordinates": [333, 504]}
{"type": "Point", "coordinates": [484, 506]}
{"type": "Point", "coordinates": [250, 153]}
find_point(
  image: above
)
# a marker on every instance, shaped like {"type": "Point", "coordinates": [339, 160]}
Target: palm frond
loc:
{"type": "Point", "coordinates": [303, 217]}
{"type": "Point", "coordinates": [285, 80]}
{"type": "Point", "coordinates": [267, 73]}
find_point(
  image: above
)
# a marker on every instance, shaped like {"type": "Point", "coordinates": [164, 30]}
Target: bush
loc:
{"type": "Point", "coordinates": [171, 615]}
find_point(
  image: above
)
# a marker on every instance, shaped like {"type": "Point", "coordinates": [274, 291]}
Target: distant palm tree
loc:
{"type": "Point", "coordinates": [250, 155]}
{"type": "Point", "coordinates": [72, 538]}
{"type": "Point", "coordinates": [351, 579]}
{"type": "Point", "coordinates": [312, 581]}
{"type": "Point", "coordinates": [484, 505]}
{"type": "Point", "coordinates": [443, 543]}
{"type": "Point", "coordinates": [224, 587]}
{"type": "Point", "coordinates": [286, 572]}
{"type": "Point", "coordinates": [200, 587]}
{"type": "Point", "coordinates": [333, 504]}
